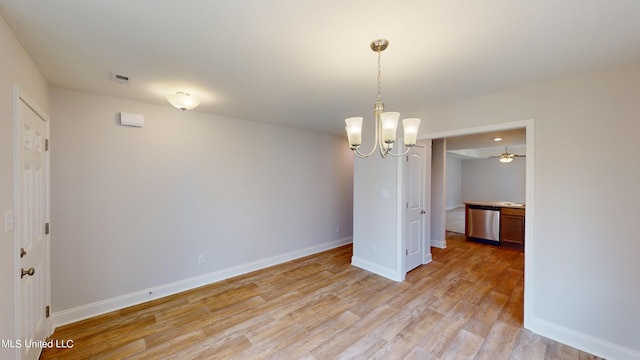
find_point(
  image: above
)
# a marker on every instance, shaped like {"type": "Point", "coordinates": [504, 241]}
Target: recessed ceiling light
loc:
{"type": "Point", "coordinates": [497, 139]}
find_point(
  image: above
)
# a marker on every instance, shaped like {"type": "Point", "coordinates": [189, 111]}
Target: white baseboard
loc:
{"type": "Point", "coordinates": [454, 207]}
{"type": "Point", "coordinates": [428, 258]}
{"type": "Point", "coordinates": [441, 244]}
{"type": "Point", "coordinates": [120, 302]}
{"type": "Point", "coordinates": [375, 268]}
{"type": "Point", "coordinates": [584, 342]}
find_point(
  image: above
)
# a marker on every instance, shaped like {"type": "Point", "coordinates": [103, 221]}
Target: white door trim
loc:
{"type": "Point", "coordinates": [528, 124]}
{"type": "Point", "coordinates": [400, 272]}
{"type": "Point", "coordinates": [20, 95]}
{"type": "Point", "coordinates": [426, 201]}
{"type": "Point", "coordinates": [421, 151]}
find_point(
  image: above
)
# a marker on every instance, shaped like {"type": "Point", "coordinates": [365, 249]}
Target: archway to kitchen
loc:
{"type": "Point", "coordinates": [438, 209]}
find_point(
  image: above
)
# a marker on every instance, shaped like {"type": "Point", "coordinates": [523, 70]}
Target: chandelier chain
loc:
{"type": "Point", "coordinates": [379, 71]}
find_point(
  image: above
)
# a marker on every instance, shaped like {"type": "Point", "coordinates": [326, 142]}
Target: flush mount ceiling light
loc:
{"type": "Point", "coordinates": [183, 101]}
{"type": "Point", "coordinates": [385, 122]}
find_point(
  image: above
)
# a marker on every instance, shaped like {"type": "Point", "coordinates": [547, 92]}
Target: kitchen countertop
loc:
{"type": "Point", "coordinates": [497, 204]}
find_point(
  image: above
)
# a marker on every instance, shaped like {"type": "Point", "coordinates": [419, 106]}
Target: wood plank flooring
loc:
{"type": "Point", "coordinates": [466, 304]}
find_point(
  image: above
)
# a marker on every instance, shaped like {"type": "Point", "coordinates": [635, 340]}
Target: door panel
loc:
{"type": "Point", "coordinates": [415, 229]}
{"type": "Point", "coordinates": [30, 229]}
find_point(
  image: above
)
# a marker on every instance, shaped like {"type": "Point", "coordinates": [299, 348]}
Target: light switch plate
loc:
{"type": "Point", "coordinates": [8, 221]}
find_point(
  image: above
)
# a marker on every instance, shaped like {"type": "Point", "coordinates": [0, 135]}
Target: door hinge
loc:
{"type": "Point", "coordinates": [406, 252]}
{"type": "Point", "coordinates": [406, 206]}
{"type": "Point", "coordinates": [47, 311]}
{"type": "Point", "coordinates": [46, 229]}
{"type": "Point", "coordinates": [407, 158]}
{"type": "Point", "coordinates": [46, 144]}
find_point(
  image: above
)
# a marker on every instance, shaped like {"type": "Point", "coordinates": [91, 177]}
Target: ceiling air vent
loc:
{"type": "Point", "coordinates": [119, 78]}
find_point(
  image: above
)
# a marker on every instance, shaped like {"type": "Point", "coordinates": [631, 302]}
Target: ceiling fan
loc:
{"type": "Point", "coordinates": [507, 157]}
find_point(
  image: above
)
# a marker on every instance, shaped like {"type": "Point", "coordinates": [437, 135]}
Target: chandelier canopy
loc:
{"type": "Point", "coordinates": [385, 123]}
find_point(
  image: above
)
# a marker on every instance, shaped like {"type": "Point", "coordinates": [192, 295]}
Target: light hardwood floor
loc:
{"type": "Point", "coordinates": [466, 304]}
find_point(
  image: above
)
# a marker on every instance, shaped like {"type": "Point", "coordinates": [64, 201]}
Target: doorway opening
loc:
{"type": "Point", "coordinates": [438, 186]}
{"type": "Point", "coordinates": [477, 171]}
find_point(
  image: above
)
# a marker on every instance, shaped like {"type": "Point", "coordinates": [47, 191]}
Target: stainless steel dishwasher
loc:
{"type": "Point", "coordinates": [483, 223]}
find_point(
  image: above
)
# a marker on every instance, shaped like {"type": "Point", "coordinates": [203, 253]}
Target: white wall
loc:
{"type": "Point", "coordinates": [375, 214]}
{"type": "Point", "coordinates": [17, 68]}
{"type": "Point", "coordinates": [491, 180]}
{"type": "Point", "coordinates": [454, 182]}
{"type": "Point", "coordinates": [133, 208]}
{"type": "Point", "coordinates": [584, 254]}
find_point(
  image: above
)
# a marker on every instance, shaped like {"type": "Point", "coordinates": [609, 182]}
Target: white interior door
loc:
{"type": "Point", "coordinates": [414, 229]}
{"type": "Point", "coordinates": [31, 229]}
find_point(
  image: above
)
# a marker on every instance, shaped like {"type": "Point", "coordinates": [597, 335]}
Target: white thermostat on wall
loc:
{"type": "Point", "coordinates": [130, 119]}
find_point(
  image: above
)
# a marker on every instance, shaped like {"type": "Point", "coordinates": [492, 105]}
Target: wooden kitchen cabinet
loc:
{"type": "Point", "coordinates": [512, 228]}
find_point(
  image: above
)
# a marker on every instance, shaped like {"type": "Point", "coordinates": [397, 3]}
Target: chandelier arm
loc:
{"type": "Point", "coordinates": [400, 155]}
{"type": "Point", "coordinates": [361, 155]}
{"type": "Point", "coordinates": [383, 152]}
{"type": "Point", "coordinates": [375, 140]}
{"type": "Point", "coordinates": [357, 152]}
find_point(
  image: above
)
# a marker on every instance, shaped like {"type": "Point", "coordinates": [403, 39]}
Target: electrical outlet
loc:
{"type": "Point", "coordinates": [200, 259]}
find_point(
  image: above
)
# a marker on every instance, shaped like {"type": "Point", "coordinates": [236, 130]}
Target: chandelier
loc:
{"type": "Point", "coordinates": [385, 122]}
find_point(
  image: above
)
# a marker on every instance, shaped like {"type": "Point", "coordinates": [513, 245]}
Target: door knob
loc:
{"type": "Point", "coordinates": [422, 212]}
{"type": "Point", "coordinates": [29, 272]}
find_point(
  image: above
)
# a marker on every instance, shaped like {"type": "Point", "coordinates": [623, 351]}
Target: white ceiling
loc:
{"type": "Point", "coordinates": [510, 138]}
{"type": "Point", "coordinates": [306, 63]}
{"type": "Point", "coordinates": [483, 145]}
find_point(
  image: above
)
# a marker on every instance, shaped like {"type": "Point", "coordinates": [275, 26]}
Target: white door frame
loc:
{"type": "Point", "coordinates": [20, 95]}
{"type": "Point", "coordinates": [400, 244]}
{"type": "Point", "coordinates": [529, 198]}
{"type": "Point", "coordinates": [405, 200]}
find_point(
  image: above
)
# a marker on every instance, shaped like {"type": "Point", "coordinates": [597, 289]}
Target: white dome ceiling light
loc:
{"type": "Point", "coordinates": [183, 101]}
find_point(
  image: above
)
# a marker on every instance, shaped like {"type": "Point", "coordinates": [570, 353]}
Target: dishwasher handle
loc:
{"type": "Point", "coordinates": [484, 207]}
